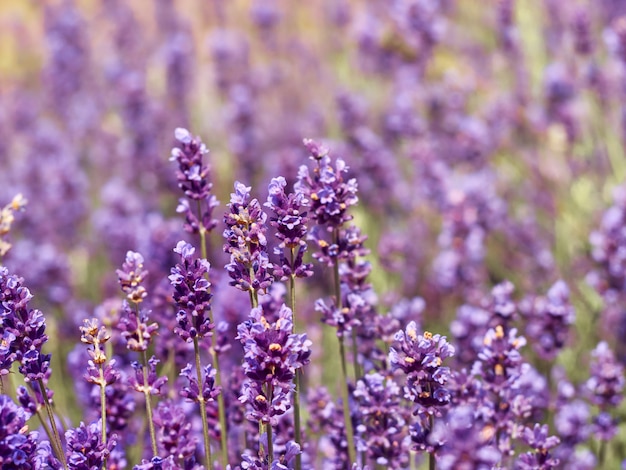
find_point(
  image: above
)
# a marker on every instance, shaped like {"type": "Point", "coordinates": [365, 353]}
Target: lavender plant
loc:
{"type": "Point", "coordinates": [470, 184]}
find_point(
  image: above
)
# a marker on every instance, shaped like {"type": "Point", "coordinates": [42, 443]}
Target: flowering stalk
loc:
{"type": "Point", "coordinates": [97, 373]}
{"type": "Point", "coordinates": [290, 220]}
{"type": "Point", "coordinates": [136, 330]}
{"type": "Point", "coordinates": [194, 180]}
{"type": "Point", "coordinates": [56, 441]}
{"type": "Point", "coordinates": [202, 404]}
{"type": "Point", "coordinates": [344, 372]}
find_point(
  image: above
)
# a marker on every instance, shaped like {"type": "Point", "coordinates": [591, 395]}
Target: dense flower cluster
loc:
{"type": "Point", "coordinates": [191, 294]}
{"type": "Point", "coordinates": [246, 242]}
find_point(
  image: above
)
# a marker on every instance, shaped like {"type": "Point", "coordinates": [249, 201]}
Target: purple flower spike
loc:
{"type": "Point", "coordinates": [191, 294]}
{"type": "Point", "coordinates": [192, 392]}
{"type": "Point", "coordinates": [538, 440]}
{"type": "Point", "coordinates": [154, 383]}
{"type": "Point", "coordinates": [131, 277]}
{"type": "Point", "coordinates": [35, 366]}
{"type": "Point", "coordinates": [421, 357]}
{"type": "Point", "coordinates": [194, 179]}
{"type": "Point", "coordinates": [174, 435]}
{"type": "Point", "coordinates": [290, 221]}
{"type": "Point", "coordinates": [135, 328]}
{"type": "Point", "coordinates": [246, 242]}
{"type": "Point", "coordinates": [85, 448]}
{"type": "Point", "coordinates": [24, 329]}
{"type": "Point", "coordinates": [329, 193]}
{"type": "Point", "coordinates": [381, 434]}
{"type": "Point", "coordinates": [272, 355]}
{"type": "Point", "coordinates": [17, 446]}
{"type": "Point", "coordinates": [606, 384]}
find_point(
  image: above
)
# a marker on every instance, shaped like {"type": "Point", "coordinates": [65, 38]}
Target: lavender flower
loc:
{"type": "Point", "coordinates": [421, 358]}
{"type": "Point", "coordinates": [192, 391]}
{"type": "Point", "coordinates": [191, 294]}
{"type": "Point", "coordinates": [174, 434]}
{"type": "Point", "coordinates": [538, 440]}
{"type": "Point", "coordinates": [246, 242]}
{"type": "Point", "coordinates": [329, 193]}
{"type": "Point", "coordinates": [85, 450]}
{"type": "Point", "coordinates": [290, 221]}
{"type": "Point", "coordinates": [153, 384]}
{"type": "Point", "coordinates": [17, 446]}
{"type": "Point", "coordinates": [7, 217]}
{"type": "Point", "coordinates": [549, 320]}
{"type": "Point", "coordinates": [272, 355]}
{"type": "Point", "coordinates": [132, 276]}
{"type": "Point", "coordinates": [135, 329]}
{"type": "Point", "coordinates": [381, 432]}
{"type": "Point", "coordinates": [606, 385]}
{"type": "Point", "coordinates": [466, 441]}
{"type": "Point", "coordinates": [194, 180]}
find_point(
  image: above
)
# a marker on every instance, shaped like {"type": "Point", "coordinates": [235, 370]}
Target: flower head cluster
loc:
{"type": "Point", "coordinates": [290, 220]}
{"type": "Point", "coordinates": [499, 362]}
{"type": "Point", "coordinates": [421, 358]}
{"type": "Point", "coordinates": [548, 320]}
{"type": "Point", "coordinates": [538, 439]}
{"type": "Point", "coordinates": [7, 216]}
{"type": "Point", "coordinates": [135, 329]}
{"type": "Point", "coordinates": [272, 355]}
{"type": "Point", "coordinates": [132, 276]}
{"type": "Point", "coordinates": [246, 242]}
{"type": "Point", "coordinates": [174, 434]}
{"type": "Point", "coordinates": [608, 245]}
{"type": "Point", "coordinates": [191, 294]}
{"type": "Point", "coordinates": [466, 441]}
{"type": "Point", "coordinates": [85, 448]}
{"type": "Point", "coordinates": [23, 329]}
{"type": "Point", "coordinates": [18, 447]}
{"type": "Point", "coordinates": [606, 384]}
{"type": "Point", "coordinates": [192, 392]}
{"type": "Point", "coordinates": [329, 193]}
{"type": "Point", "coordinates": [153, 384]}
{"type": "Point", "coordinates": [382, 419]}
{"type": "Point", "coordinates": [194, 180]}
{"type": "Point", "coordinates": [96, 336]}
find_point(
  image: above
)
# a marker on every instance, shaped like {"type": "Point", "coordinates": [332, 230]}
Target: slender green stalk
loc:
{"type": "Point", "coordinates": [148, 396]}
{"type": "Point", "coordinates": [602, 454]}
{"type": "Point", "coordinates": [296, 415]}
{"type": "Point", "coordinates": [103, 412]}
{"type": "Point", "coordinates": [57, 445]}
{"type": "Point", "coordinates": [205, 425]}
{"type": "Point", "coordinates": [344, 372]}
{"type": "Point", "coordinates": [346, 404]}
{"type": "Point", "coordinates": [298, 377]}
{"type": "Point", "coordinates": [431, 455]}
{"type": "Point", "coordinates": [270, 443]}
{"type": "Point", "coordinates": [221, 407]}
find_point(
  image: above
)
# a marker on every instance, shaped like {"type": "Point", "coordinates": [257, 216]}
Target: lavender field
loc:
{"type": "Point", "coordinates": [334, 234]}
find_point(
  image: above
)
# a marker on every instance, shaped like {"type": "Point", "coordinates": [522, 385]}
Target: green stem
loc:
{"type": "Point", "coordinates": [296, 415]}
{"type": "Point", "coordinates": [103, 412]}
{"type": "Point", "coordinates": [602, 454]}
{"type": "Point", "coordinates": [298, 377]}
{"type": "Point", "coordinates": [431, 455]}
{"type": "Point", "coordinates": [55, 432]}
{"type": "Point", "coordinates": [205, 425]}
{"type": "Point", "coordinates": [346, 404]}
{"type": "Point", "coordinates": [270, 443]}
{"type": "Point", "coordinates": [342, 352]}
{"type": "Point", "coordinates": [221, 407]}
{"type": "Point", "coordinates": [146, 392]}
